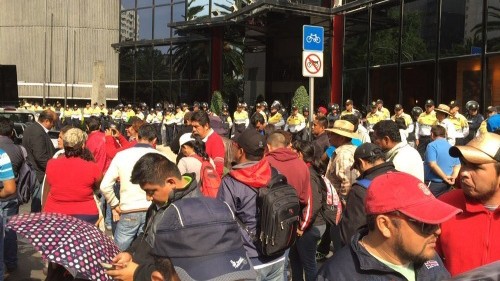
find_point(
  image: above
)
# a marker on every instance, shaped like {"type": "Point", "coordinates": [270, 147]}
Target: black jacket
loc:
{"type": "Point", "coordinates": [141, 247]}
{"type": "Point", "coordinates": [39, 147]}
{"type": "Point", "coordinates": [354, 215]}
{"type": "Point", "coordinates": [353, 262]}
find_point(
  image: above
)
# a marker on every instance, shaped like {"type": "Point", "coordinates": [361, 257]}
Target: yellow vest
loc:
{"type": "Point", "coordinates": [459, 121]}
{"type": "Point", "coordinates": [275, 118]}
{"type": "Point", "coordinates": [295, 120]}
{"type": "Point", "coordinates": [240, 117]}
{"type": "Point", "coordinates": [374, 118]}
{"type": "Point", "coordinates": [405, 116]}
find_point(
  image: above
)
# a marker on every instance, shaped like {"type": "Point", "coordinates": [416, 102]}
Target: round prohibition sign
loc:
{"type": "Point", "coordinates": [312, 64]}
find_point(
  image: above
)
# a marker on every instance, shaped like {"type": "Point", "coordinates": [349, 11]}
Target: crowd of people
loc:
{"type": "Point", "coordinates": [406, 190]}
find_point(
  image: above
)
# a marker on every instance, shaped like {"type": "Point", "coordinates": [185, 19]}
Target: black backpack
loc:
{"type": "Point", "coordinates": [278, 212]}
{"type": "Point", "coordinates": [26, 180]}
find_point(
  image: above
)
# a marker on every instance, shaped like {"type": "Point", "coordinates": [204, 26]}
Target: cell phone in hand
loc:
{"type": "Point", "coordinates": [108, 266]}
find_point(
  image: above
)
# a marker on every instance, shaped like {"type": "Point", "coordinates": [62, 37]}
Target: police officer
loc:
{"type": "Point", "coordinates": [76, 116]}
{"type": "Point", "coordinates": [169, 123]}
{"type": "Point", "coordinates": [385, 112]}
{"type": "Point", "coordinates": [460, 123]}
{"type": "Point", "coordinates": [373, 117]}
{"type": "Point", "coordinates": [415, 113]}
{"type": "Point", "coordinates": [306, 113]}
{"type": "Point", "coordinates": [275, 117]}
{"type": "Point", "coordinates": [241, 120]}
{"type": "Point", "coordinates": [349, 108]}
{"type": "Point", "coordinates": [423, 127]}
{"type": "Point", "coordinates": [295, 123]}
{"type": "Point", "coordinates": [227, 122]}
{"type": "Point", "coordinates": [333, 113]}
{"type": "Point", "coordinates": [474, 119]}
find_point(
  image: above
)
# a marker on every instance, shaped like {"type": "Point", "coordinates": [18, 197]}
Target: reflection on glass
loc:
{"type": "Point", "coordinates": [144, 92]}
{"type": "Point", "coordinates": [162, 64]}
{"type": "Point", "coordinates": [461, 23]}
{"type": "Point", "coordinates": [162, 92]}
{"type": "Point", "coordinates": [144, 63]}
{"type": "Point", "coordinates": [417, 84]}
{"type": "Point", "coordinates": [127, 25]}
{"type": "Point", "coordinates": [145, 24]}
{"type": "Point", "coordinates": [385, 34]}
{"type": "Point", "coordinates": [383, 83]}
{"type": "Point", "coordinates": [197, 9]}
{"type": "Point", "coordinates": [162, 18]}
{"type": "Point", "coordinates": [224, 7]}
{"type": "Point", "coordinates": [128, 4]}
{"type": "Point", "coordinates": [462, 79]}
{"type": "Point", "coordinates": [493, 26]}
{"type": "Point", "coordinates": [144, 3]}
{"type": "Point", "coordinates": [126, 92]}
{"type": "Point", "coordinates": [419, 30]}
{"type": "Point", "coordinates": [178, 15]}
{"type": "Point", "coordinates": [355, 85]}
{"type": "Point", "coordinates": [126, 64]}
{"type": "Point", "coordinates": [162, 2]}
{"type": "Point", "coordinates": [356, 40]}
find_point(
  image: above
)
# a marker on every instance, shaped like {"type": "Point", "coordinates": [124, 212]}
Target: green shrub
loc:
{"type": "Point", "coordinates": [216, 103]}
{"type": "Point", "coordinates": [300, 98]}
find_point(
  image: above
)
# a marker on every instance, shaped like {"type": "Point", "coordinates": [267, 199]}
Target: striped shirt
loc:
{"type": "Point", "coordinates": [6, 172]}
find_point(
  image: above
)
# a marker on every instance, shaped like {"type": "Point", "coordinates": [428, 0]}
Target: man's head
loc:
{"type": "Point", "coordinates": [258, 122]}
{"type": "Point", "coordinates": [442, 112]}
{"type": "Point", "coordinates": [6, 127]}
{"type": "Point", "coordinates": [366, 156]}
{"type": "Point", "coordinates": [348, 105]}
{"type": "Point", "coordinates": [403, 217]}
{"type": "Point", "coordinates": [295, 110]}
{"type": "Point", "coordinates": [321, 111]}
{"type": "Point", "coordinates": [249, 146]}
{"type": "Point", "coordinates": [429, 106]}
{"type": "Point", "coordinates": [93, 123]}
{"type": "Point", "coordinates": [341, 133]}
{"type": "Point", "coordinates": [380, 104]}
{"type": "Point", "coordinates": [276, 140]}
{"type": "Point", "coordinates": [157, 176]}
{"type": "Point", "coordinates": [398, 109]}
{"type": "Point", "coordinates": [386, 134]}
{"type": "Point", "coordinates": [438, 131]}
{"type": "Point", "coordinates": [47, 118]}
{"type": "Point", "coordinates": [472, 107]}
{"type": "Point", "coordinates": [201, 123]}
{"type": "Point", "coordinates": [493, 124]}
{"type": "Point", "coordinates": [490, 111]}
{"type": "Point", "coordinates": [319, 125]}
{"type": "Point", "coordinates": [202, 240]}
{"type": "Point", "coordinates": [480, 169]}
{"type": "Point", "coordinates": [147, 134]}
{"type": "Point", "coordinates": [454, 107]}
{"type": "Point", "coordinates": [373, 107]}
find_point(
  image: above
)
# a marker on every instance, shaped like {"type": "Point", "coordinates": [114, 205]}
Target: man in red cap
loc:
{"type": "Point", "coordinates": [398, 243]}
{"type": "Point", "coordinates": [471, 239]}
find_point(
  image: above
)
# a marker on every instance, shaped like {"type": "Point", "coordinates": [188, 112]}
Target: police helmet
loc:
{"type": "Point", "coordinates": [225, 106]}
{"type": "Point", "coordinates": [305, 108]}
{"type": "Point", "coordinates": [472, 105]}
{"type": "Point", "coordinates": [196, 104]}
{"type": "Point", "coordinates": [204, 105]}
{"type": "Point", "coordinates": [333, 106]}
{"type": "Point", "coordinates": [263, 103]}
{"type": "Point", "coordinates": [416, 111]}
{"type": "Point", "coordinates": [276, 104]}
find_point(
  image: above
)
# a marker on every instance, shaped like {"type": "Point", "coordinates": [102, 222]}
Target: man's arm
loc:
{"type": "Point", "coordinates": [9, 188]}
{"type": "Point", "coordinates": [108, 181]}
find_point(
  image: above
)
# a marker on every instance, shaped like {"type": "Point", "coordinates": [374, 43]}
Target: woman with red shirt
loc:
{"type": "Point", "coordinates": [72, 180]}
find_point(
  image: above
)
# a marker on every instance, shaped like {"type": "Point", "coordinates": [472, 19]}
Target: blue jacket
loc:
{"type": "Point", "coordinates": [353, 262]}
{"type": "Point", "coordinates": [238, 190]}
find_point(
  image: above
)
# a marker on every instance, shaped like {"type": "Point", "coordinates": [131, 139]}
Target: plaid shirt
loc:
{"type": "Point", "coordinates": [339, 169]}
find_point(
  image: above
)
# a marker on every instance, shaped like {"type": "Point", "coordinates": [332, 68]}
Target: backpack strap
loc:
{"type": "Point", "coordinates": [23, 151]}
{"type": "Point", "coordinates": [364, 183]}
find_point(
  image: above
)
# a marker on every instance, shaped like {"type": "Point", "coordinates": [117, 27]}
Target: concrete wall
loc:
{"type": "Point", "coordinates": [39, 36]}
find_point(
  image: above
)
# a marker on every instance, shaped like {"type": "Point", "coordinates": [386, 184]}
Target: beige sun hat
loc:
{"type": "Point", "coordinates": [443, 108]}
{"type": "Point", "coordinates": [343, 128]}
{"type": "Point", "coordinates": [482, 149]}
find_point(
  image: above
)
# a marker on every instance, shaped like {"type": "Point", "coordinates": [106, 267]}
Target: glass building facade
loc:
{"type": "Point", "coordinates": [411, 50]}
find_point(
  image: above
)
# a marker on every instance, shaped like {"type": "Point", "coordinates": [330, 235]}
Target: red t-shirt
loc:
{"type": "Point", "coordinates": [214, 146]}
{"type": "Point", "coordinates": [71, 183]}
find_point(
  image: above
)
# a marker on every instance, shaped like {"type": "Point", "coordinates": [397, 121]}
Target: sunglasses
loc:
{"type": "Point", "coordinates": [424, 228]}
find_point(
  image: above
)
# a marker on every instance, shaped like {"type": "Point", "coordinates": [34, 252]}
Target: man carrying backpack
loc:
{"type": "Point", "coordinates": [240, 191]}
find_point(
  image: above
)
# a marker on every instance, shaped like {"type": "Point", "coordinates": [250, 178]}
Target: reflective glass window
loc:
{"type": "Point", "coordinates": [127, 4]}
{"type": "Point", "coordinates": [493, 84]}
{"type": "Point", "coordinates": [144, 92]}
{"type": "Point", "coordinates": [144, 63]}
{"type": "Point", "coordinates": [181, 62]}
{"type": "Point", "coordinates": [126, 92]}
{"type": "Point", "coordinates": [162, 18]}
{"type": "Point", "coordinates": [145, 24]}
{"type": "Point", "coordinates": [127, 25]}
{"type": "Point", "coordinates": [200, 56]}
{"type": "Point", "coordinates": [461, 28]}
{"type": "Point", "coordinates": [460, 79]}
{"type": "Point", "coordinates": [127, 64]}
{"type": "Point", "coordinates": [355, 86]}
{"type": "Point", "coordinates": [197, 9]}
{"type": "Point", "coordinates": [178, 15]}
{"type": "Point", "coordinates": [144, 3]}
{"type": "Point", "coordinates": [383, 83]}
{"type": "Point", "coordinates": [162, 2]}
{"type": "Point", "coordinates": [385, 33]}
{"type": "Point", "coordinates": [493, 33]}
{"type": "Point", "coordinates": [356, 39]}
{"type": "Point", "coordinates": [419, 30]}
{"type": "Point", "coordinates": [417, 84]}
{"type": "Point", "coordinates": [162, 92]}
{"type": "Point", "coordinates": [162, 66]}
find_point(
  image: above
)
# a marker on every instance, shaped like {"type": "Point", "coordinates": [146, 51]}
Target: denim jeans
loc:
{"type": "Point", "coordinates": [128, 228]}
{"type": "Point", "coordinates": [9, 209]}
{"type": "Point", "coordinates": [303, 254]}
{"type": "Point", "coordinates": [272, 272]}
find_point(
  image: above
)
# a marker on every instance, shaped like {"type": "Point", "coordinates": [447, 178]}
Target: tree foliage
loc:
{"type": "Point", "coordinates": [301, 97]}
{"type": "Point", "coordinates": [216, 103]}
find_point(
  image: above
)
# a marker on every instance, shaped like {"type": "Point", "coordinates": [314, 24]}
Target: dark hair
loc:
{"type": "Point", "coordinates": [199, 146]}
{"type": "Point", "coordinates": [256, 118]}
{"type": "Point", "coordinates": [153, 168]}
{"type": "Point", "coordinates": [187, 117]}
{"type": "Point", "coordinates": [322, 121]}
{"type": "Point", "coordinates": [201, 117]}
{"type": "Point", "coordinates": [147, 132]}
{"type": "Point", "coordinates": [165, 267]}
{"type": "Point", "coordinates": [387, 128]}
{"type": "Point", "coordinates": [6, 126]}
{"type": "Point", "coordinates": [93, 123]}
{"type": "Point", "coordinates": [352, 119]}
{"type": "Point", "coordinates": [307, 150]}
{"type": "Point", "coordinates": [65, 129]}
{"type": "Point", "coordinates": [47, 115]}
{"type": "Point", "coordinates": [401, 123]}
{"type": "Point", "coordinates": [269, 129]}
{"type": "Point", "coordinates": [79, 152]}
{"type": "Point", "coordinates": [438, 131]}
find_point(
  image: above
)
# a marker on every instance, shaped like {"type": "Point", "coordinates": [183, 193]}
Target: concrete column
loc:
{"type": "Point", "coordinates": [98, 83]}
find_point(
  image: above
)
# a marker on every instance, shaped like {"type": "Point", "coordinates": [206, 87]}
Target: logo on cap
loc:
{"type": "Point", "coordinates": [424, 189]}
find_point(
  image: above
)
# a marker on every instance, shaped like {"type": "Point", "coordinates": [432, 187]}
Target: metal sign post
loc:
{"type": "Point", "coordinates": [312, 61]}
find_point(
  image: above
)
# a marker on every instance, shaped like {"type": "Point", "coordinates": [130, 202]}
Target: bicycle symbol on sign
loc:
{"type": "Point", "coordinates": [313, 38]}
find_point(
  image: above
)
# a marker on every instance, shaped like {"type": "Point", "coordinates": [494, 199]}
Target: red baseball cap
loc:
{"type": "Point", "coordinates": [398, 191]}
{"type": "Point", "coordinates": [322, 110]}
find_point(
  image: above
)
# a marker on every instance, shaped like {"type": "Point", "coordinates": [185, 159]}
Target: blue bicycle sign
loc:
{"type": "Point", "coordinates": [312, 38]}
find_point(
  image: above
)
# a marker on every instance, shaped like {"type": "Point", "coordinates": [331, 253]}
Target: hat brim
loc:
{"type": "Point", "coordinates": [232, 265]}
{"type": "Point", "coordinates": [343, 133]}
{"type": "Point", "coordinates": [471, 154]}
{"type": "Point", "coordinates": [431, 211]}
{"type": "Point", "coordinates": [442, 111]}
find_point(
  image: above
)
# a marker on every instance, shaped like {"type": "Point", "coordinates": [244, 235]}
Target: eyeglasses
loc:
{"type": "Point", "coordinates": [424, 228]}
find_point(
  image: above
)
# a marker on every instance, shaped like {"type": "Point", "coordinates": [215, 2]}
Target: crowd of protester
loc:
{"type": "Point", "coordinates": [417, 196]}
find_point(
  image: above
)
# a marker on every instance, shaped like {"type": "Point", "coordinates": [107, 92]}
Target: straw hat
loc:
{"type": "Point", "coordinates": [343, 128]}
{"type": "Point", "coordinates": [443, 108]}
